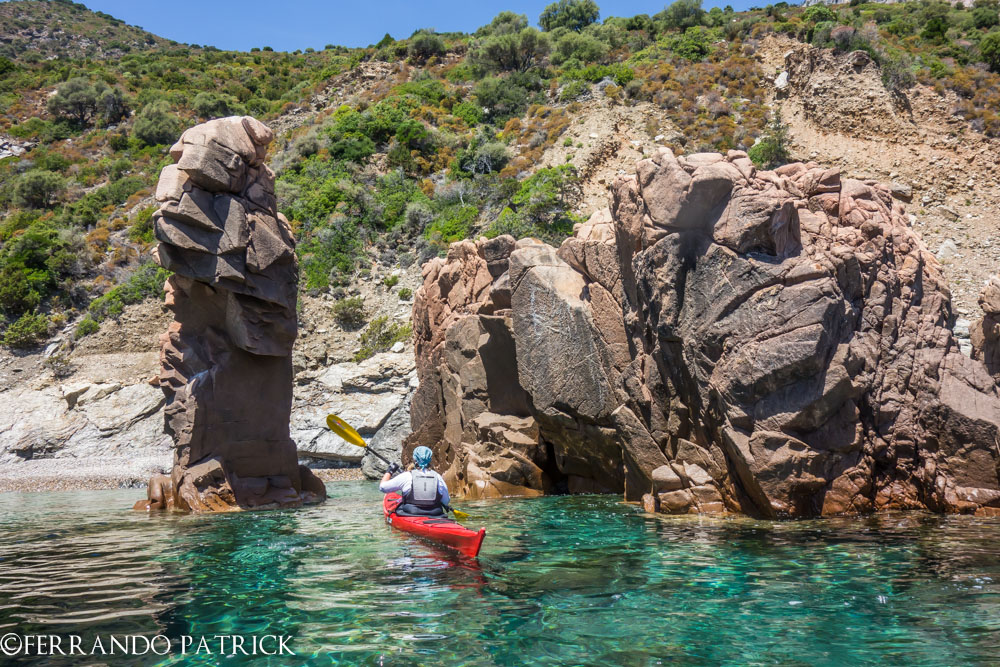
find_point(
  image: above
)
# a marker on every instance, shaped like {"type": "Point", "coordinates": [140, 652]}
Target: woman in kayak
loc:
{"type": "Point", "coordinates": [424, 491]}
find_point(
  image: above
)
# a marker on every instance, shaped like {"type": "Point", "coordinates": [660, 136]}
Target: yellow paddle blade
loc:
{"type": "Point", "coordinates": [344, 430]}
{"type": "Point", "coordinates": [461, 516]}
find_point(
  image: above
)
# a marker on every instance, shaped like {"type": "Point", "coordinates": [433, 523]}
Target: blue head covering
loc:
{"type": "Point", "coordinates": [422, 456]}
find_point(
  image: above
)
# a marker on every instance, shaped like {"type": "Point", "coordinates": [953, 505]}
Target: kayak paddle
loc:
{"type": "Point", "coordinates": [347, 432]}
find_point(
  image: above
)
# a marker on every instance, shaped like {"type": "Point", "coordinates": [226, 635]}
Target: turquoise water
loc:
{"type": "Point", "coordinates": [582, 580]}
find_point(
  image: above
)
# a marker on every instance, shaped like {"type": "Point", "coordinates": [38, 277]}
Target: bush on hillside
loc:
{"type": "Point", "coordinates": [350, 313]}
{"type": "Point", "coordinates": [510, 51]}
{"type": "Point", "coordinates": [29, 330]}
{"type": "Point", "coordinates": [504, 23]}
{"type": "Point", "coordinates": [571, 14]}
{"type": "Point", "coordinates": [380, 335]}
{"type": "Point", "coordinates": [155, 124]}
{"type": "Point", "coordinates": [424, 45]}
{"type": "Point", "coordinates": [500, 98]}
{"type": "Point", "coordinates": [146, 281]}
{"type": "Point", "coordinates": [575, 49]}
{"type": "Point", "coordinates": [989, 47]}
{"type": "Point", "coordinates": [210, 105]}
{"type": "Point", "coordinates": [772, 149]}
{"type": "Point", "coordinates": [681, 15]}
{"type": "Point", "coordinates": [38, 189]}
{"type": "Point", "coordinates": [86, 327]}
{"type": "Point", "coordinates": [81, 101]}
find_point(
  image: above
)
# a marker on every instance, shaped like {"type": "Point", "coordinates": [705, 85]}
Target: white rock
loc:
{"type": "Point", "coordinates": [947, 250]}
{"type": "Point", "coordinates": [397, 347]}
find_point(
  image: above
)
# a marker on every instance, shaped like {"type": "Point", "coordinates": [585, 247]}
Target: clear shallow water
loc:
{"type": "Point", "coordinates": [582, 580]}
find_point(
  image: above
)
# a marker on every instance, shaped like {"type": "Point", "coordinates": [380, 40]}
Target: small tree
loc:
{"type": "Point", "coordinates": [38, 189]}
{"type": "Point", "coordinates": [155, 124]}
{"type": "Point", "coordinates": [682, 14]}
{"type": "Point", "coordinates": [27, 331]}
{"type": "Point", "coordinates": [504, 23]}
{"type": "Point", "coordinates": [208, 105]}
{"type": "Point", "coordinates": [112, 106]}
{"type": "Point", "coordinates": [571, 14]}
{"type": "Point", "coordinates": [511, 51]}
{"type": "Point", "coordinates": [989, 47]}
{"type": "Point", "coordinates": [772, 149]}
{"type": "Point", "coordinates": [76, 99]}
{"type": "Point", "coordinates": [425, 44]}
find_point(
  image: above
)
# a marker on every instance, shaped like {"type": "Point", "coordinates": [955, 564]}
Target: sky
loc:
{"type": "Point", "coordinates": [286, 25]}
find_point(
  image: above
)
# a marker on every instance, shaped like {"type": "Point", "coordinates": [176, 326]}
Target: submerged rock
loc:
{"type": "Point", "coordinates": [775, 343]}
{"type": "Point", "coordinates": [225, 360]}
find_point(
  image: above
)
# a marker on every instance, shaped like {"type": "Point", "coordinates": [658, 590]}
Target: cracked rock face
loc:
{"type": "Point", "coordinates": [225, 360]}
{"type": "Point", "coordinates": [721, 339]}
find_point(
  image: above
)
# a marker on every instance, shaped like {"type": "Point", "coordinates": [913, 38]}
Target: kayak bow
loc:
{"type": "Point", "coordinates": [439, 529]}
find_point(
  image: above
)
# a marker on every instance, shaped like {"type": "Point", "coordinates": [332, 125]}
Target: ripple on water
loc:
{"type": "Point", "coordinates": [578, 580]}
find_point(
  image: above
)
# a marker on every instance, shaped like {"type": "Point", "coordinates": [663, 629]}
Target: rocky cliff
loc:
{"type": "Point", "coordinates": [226, 359]}
{"type": "Point", "coordinates": [773, 343]}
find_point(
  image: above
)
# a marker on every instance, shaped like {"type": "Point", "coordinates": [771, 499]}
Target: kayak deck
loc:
{"type": "Point", "coordinates": [439, 529]}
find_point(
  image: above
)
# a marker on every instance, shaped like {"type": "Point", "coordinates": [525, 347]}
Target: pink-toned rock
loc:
{"type": "Point", "coordinates": [225, 360]}
{"type": "Point", "coordinates": [722, 339]}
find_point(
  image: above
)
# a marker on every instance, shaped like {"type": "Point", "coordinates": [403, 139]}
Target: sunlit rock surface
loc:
{"type": "Point", "coordinates": [721, 339]}
{"type": "Point", "coordinates": [225, 360]}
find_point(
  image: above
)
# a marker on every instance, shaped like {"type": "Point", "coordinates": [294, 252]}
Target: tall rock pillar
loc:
{"type": "Point", "coordinates": [225, 360]}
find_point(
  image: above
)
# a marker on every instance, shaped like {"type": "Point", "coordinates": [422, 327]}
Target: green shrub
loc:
{"type": "Point", "coordinates": [500, 98]}
{"type": "Point", "coordinates": [76, 99]}
{"type": "Point", "coordinates": [350, 312]}
{"type": "Point", "coordinates": [27, 331]}
{"type": "Point", "coordinates": [483, 158]}
{"type": "Point", "coordinates": [391, 281]}
{"type": "Point", "coordinates": [681, 15]}
{"type": "Point", "coordinates": [454, 223]}
{"type": "Point", "coordinates": [32, 264]}
{"type": "Point", "coordinates": [694, 44]}
{"type": "Point", "coordinates": [87, 326]}
{"type": "Point", "coordinates": [147, 281]}
{"type": "Point", "coordinates": [380, 335]}
{"type": "Point", "coordinates": [772, 149]}
{"type": "Point", "coordinates": [985, 17]}
{"type": "Point", "coordinates": [578, 48]}
{"type": "Point", "coordinates": [818, 13]}
{"type": "Point", "coordinates": [989, 47]}
{"type": "Point", "coordinates": [38, 189]}
{"type": "Point", "coordinates": [427, 90]}
{"type": "Point", "coordinates": [572, 91]}
{"type": "Point", "coordinates": [405, 293]}
{"type": "Point", "coordinates": [156, 125]}
{"type": "Point", "coordinates": [510, 52]}
{"type": "Point", "coordinates": [141, 230]}
{"type": "Point", "coordinates": [571, 14]}
{"type": "Point", "coordinates": [471, 113]}
{"type": "Point", "coordinates": [209, 104]}
{"type": "Point", "coordinates": [424, 45]}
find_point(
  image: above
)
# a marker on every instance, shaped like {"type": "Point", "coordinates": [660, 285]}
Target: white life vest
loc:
{"type": "Point", "coordinates": [424, 489]}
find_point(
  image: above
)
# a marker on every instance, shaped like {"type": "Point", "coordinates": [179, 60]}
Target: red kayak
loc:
{"type": "Point", "coordinates": [436, 528]}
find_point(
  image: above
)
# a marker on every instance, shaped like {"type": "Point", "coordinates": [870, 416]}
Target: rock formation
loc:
{"type": "Point", "coordinates": [985, 334]}
{"type": "Point", "coordinates": [225, 360]}
{"type": "Point", "coordinates": [722, 339]}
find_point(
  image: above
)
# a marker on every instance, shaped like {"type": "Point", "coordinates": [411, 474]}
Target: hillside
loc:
{"type": "Point", "coordinates": [36, 31]}
{"type": "Point", "coordinates": [386, 154]}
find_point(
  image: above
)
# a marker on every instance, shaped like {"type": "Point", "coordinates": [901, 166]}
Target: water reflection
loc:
{"type": "Point", "coordinates": [579, 580]}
